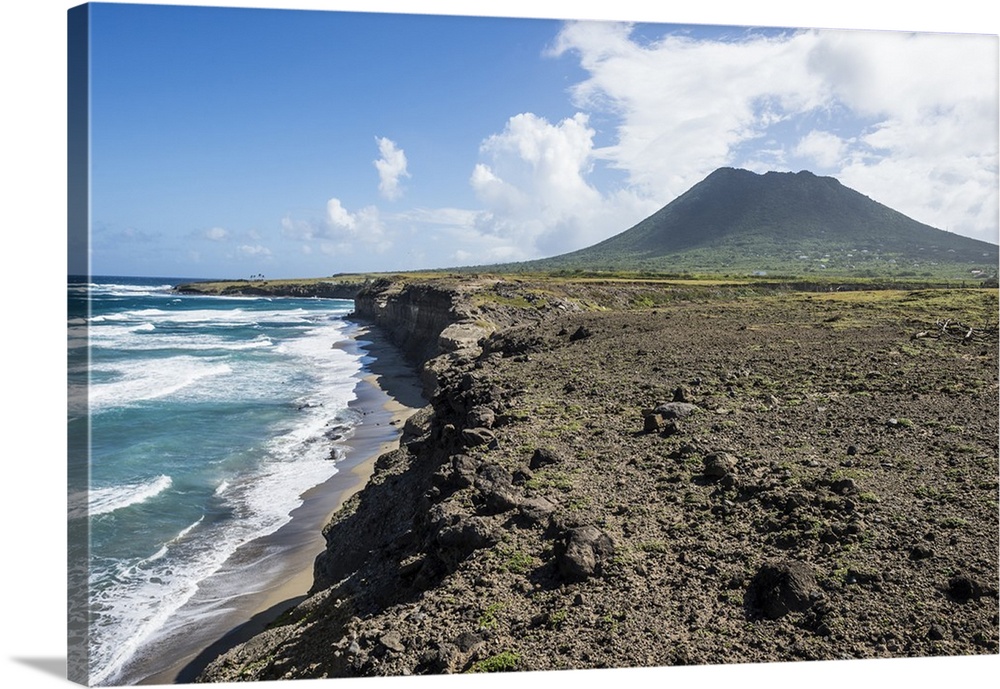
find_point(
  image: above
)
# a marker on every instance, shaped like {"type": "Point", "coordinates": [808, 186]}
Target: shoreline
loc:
{"type": "Point", "coordinates": [388, 392]}
{"type": "Point", "coordinates": [545, 520]}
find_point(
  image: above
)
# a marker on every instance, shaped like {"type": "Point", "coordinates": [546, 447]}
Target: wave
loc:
{"type": "Point", "coordinates": [186, 530]}
{"type": "Point", "coordinates": [111, 288]}
{"type": "Point", "coordinates": [252, 358]}
{"type": "Point", "coordinates": [143, 606]}
{"type": "Point", "coordinates": [113, 498]}
{"type": "Point", "coordinates": [217, 317]}
{"type": "Point", "coordinates": [143, 597]}
{"type": "Point", "coordinates": [139, 381]}
{"type": "Point", "coordinates": [148, 338]}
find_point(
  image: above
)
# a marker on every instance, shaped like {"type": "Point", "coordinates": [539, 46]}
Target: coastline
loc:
{"type": "Point", "coordinates": [387, 394]}
{"type": "Point", "coordinates": [559, 512]}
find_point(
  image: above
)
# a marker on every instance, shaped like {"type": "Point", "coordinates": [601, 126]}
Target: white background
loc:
{"type": "Point", "coordinates": [33, 255]}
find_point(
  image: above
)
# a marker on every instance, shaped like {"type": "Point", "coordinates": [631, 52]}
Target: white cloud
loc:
{"type": "Point", "coordinates": [391, 166]}
{"type": "Point", "coordinates": [338, 215]}
{"type": "Point", "coordinates": [216, 234]}
{"type": "Point", "coordinates": [365, 225]}
{"type": "Point", "coordinates": [343, 230]}
{"type": "Point", "coordinates": [298, 229]}
{"type": "Point", "coordinates": [909, 119]}
{"type": "Point", "coordinates": [340, 232]}
{"type": "Point", "coordinates": [826, 149]}
{"type": "Point", "coordinates": [255, 250]}
{"type": "Point", "coordinates": [684, 105]}
{"type": "Point", "coordinates": [535, 190]}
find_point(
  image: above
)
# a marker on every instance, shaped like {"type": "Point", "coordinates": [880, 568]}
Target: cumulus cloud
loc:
{"type": "Point", "coordinates": [535, 190]}
{"type": "Point", "coordinates": [683, 105]}
{"type": "Point", "coordinates": [338, 215]}
{"type": "Point", "coordinates": [908, 119]}
{"type": "Point", "coordinates": [932, 151]}
{"type": "Point", "coordinates": [391, 167]}
{"type": "Point", "coordinates": [364, 225]}
{"type": "Point", "coordinates": [826, 149]}
{"type": "Point", "coordinates": [340, 232]}
{"type": "Point", "coordinates": [894, 114]}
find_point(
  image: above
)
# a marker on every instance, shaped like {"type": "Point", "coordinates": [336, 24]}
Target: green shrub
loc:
{"type": "Point", "coordinates": [505, 661]}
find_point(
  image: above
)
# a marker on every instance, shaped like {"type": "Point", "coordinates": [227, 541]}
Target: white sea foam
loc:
{"type": "Point", "coordinates": [187, 529]}
{"type": "Point", "coordinates": [112, 498]}
{"type": "Point", "coordinates": [104, 318]}
{"type": "Point", "coordinates": [162, 552]}
{"type": "Point", "coordinates": [146, 594]}
{"type": "Point", "coordinates": [148, 337]}
{"type": "Point", "coordinates": [109, 288]}
{"type": "Point", "coordinates": [149, 592]}
{"type": "Point", "coordinates": [216, 317]}
{"type": "Point", "coordinates": [145, 603]}
{"type": "Point", "coordinates": [137, 601]}
{"type": "Point", "coordinates": [139, 381]}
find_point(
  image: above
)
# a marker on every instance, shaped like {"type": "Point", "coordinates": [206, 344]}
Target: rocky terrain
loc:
{"type": "Point", "coordinates": [618, 475]}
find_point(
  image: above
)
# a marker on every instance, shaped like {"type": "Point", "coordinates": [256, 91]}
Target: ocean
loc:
{"type": "Point", "coordinates": [206, 419]}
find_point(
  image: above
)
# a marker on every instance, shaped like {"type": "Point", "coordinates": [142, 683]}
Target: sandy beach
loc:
{"type": "Point", "coordinates": [386, 396]}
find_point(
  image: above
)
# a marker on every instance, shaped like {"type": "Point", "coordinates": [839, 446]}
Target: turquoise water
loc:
{"type": "Point", "coordinates": [208, 419]}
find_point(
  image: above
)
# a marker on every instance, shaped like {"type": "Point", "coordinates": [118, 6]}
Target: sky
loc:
{"type": "Point", "coordinates": [231, 142]}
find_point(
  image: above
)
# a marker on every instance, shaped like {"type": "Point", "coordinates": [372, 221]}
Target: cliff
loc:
{"type": "Point", "coordinates": [612, 475]}
{"type": "Point", "coordinates": [342, 288]}
{"type": "Point", "coordinates": [422, 319]}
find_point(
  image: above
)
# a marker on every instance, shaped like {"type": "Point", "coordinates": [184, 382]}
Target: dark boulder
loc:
{"type": "Point", "coordinates": [473, 437]}
{"type": "Point", "coordinates": [718, 464]}
{"type": "Point", "coordinates": [480, 416]}
{"type": "Point", "coordinates": [536, 510]}
{"type": "Point", "coordinates": [780, 588]}
{"type": "Point", "coordinates": [495, 486]}
{"type": "Point", "coordinates": [417, 426]}
{"type": "Point", "coordinates": [583, 553]}
{"type": "Point", "coordinates": [462, 472]}
{"type": "Point", "coordinates": [675, 410]}
{"type": "Point", "coordinates": [545, 456]}
{"type": "Point", "coordinates": [466, 534]}
{"type": "Point", "coordinates": [963, 588]}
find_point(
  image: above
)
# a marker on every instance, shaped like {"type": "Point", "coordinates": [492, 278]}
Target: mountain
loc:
{"type": "Point", "coordinates": [739, 221]}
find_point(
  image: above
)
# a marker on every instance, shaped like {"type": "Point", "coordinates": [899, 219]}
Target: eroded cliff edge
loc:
{"type": "Point", "coordinates": [607, 476]}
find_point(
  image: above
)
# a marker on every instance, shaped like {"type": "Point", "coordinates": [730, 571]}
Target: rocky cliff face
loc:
{"type": "Point", "coordinates": [433, 324]}
{"type": "Point", "coordinates": [427, 508]}
{"type": "Point", "coordinates": [412, 315]}
{"type": "Point", "coordinates": [325, 289]}
{"type": "Point", "coordinates": [707, 482]}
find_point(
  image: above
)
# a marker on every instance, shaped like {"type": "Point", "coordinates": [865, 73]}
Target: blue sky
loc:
{"type": "Point", "coordinates": [228, 142]}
